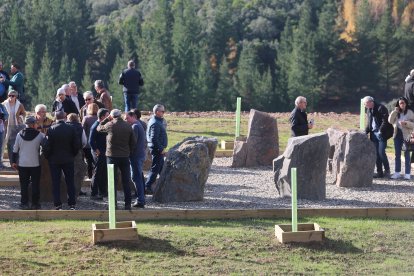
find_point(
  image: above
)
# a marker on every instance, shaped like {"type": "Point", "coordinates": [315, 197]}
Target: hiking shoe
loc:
{"type": "Point", "coordinates": [148, 191]}
{"type": "Point", "coordinates": [36, 207]}
{"type": "Point", "coordinates": [24, 206]}
{"type": "Point", "coordinates": [396, 175]}
{"type": "Point", "coordinates": [407, 176]}
{"type": "Point", "coordinates": [59, 207]}
{"type": "Point", "coordinates": [138, 205]}
{"type": "Point", "coordinates": [378, 175]}
{"type": "Point", "coordinates": [127, 207]}
{"type": "Point", "coordinates": [81, 193]}
{"type": "Point", "coordinates": [72, 207]}
{"type": "Point", "coordinates": [387, 174]}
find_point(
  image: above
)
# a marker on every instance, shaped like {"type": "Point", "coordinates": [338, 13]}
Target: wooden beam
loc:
{"type": "Point", "coordinates": [158, 214]}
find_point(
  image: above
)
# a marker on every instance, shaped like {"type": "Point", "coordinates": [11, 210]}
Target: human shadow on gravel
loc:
{"type": "Point", "coordinates": [393, 188]}
{"type": "Point", "coordinates": [145, 244]}
{"type": "Point", "coordinates": [227, 188]}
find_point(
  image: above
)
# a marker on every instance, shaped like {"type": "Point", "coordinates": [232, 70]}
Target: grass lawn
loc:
{"type": "Point", "coordinates": [223, 127]}
{"type": "Point", "coordinates": [353, 246]}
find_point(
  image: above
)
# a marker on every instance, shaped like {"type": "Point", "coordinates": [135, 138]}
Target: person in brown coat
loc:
{"type": "Point", "coordinates": [120, 144]}
{"type": "Point", "coordinates": [103, 95]}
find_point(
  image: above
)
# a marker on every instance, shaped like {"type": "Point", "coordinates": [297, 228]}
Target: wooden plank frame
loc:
{"type": "Point", "coordinates": [227, 145]}
{"type": "Point", "coordinates": [124, 231]}
{"type": "Point", "coordinates": [307, 232]}
{"type": "Point", "coordinates": [158, 214]}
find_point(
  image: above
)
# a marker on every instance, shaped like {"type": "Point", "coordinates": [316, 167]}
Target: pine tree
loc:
{"type": "Point", "coordinates": [284, 56]}
{"type": "Point", "coordinates": [74, 74]}
{"type": "Point", "coordinates": [226, 92]}
{"type": "Point", "coordinates": [114, 88]}
{"type": "Point", "coordinates": [17, 35]}
{"type": "Point", "coordinates": [245, 77]}
{"type": "Point", "coordinates": [30, 77]}
{"type": "Point", "coordinates": [206, 98]}
{"type": "Point", "coordinates": [45, 82]}
{"type": "Point", "coordinates": [64, 71]}
{"type": "Point", "coordinates": [87, 82]}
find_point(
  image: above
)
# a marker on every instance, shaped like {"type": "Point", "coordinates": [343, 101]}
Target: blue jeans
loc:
{"type": "Point", "coordinates": [156, 167]}
{"type": "Point", "coordinates": [123, 164]}
{"type": "Point", "coordinates": [56, 173]}
{"type": "Point", "coordinates": [2, 134]}
{"type": "Point", "coordinates": [136, 173]}
{"type": "Point", "coordinates": [131, 101]}
{"type": "Point", "coordinates": [380, 145]}
{"type": "Point", "coordinates": [398, 143]}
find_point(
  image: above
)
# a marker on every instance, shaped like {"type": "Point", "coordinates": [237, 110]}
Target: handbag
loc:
{"type": "Point", "coordinates": [408, 144]}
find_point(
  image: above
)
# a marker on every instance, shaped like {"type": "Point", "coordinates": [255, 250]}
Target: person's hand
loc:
{"type": "Point", "coordinates": [97, 152]}
{"type": "Point", "coordinates": [2, 79]}
{"type": "Point", "coordinates": [403, 123]}
{"type": "Point", "coordinates": [163, 152]}
{"type": "Point", "coordinates": [14, 166]}
{"type": "Point", "coordinates": [397, 109]}
{"type": "Point", "coordinates": [310, 126]}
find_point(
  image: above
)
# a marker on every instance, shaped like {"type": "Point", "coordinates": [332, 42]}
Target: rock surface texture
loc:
{"type": "Point", "coordinates": [354, 160]}
{"type": "Point", "coordinates": [309, 154]}
{"type": "Point", "coordinates": [186, 170]}
{"type": "Point", "coordinates": [262, 143]}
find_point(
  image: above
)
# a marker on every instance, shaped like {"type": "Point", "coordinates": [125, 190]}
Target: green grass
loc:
{"type": "Point", "coordinates": [353, 246]}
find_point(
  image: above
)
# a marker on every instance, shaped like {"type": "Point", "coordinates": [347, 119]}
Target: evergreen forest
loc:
{"type": "Point", "coordinates": [199, 55]}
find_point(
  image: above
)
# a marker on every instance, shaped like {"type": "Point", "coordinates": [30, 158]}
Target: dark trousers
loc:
{"type": "Point", "coordinates": [136, 170]}
{"type": "Point", "coordinates": [380, 146]}
{"type": "Point", "coordinates": [99, 181]}
{"type": "Point", "coordinates": [89, 161]}
{"type": "Point", "coordinates": [122, 163]}
{"type": "Point", "coordinates": [69, 173]}
{"type": "Point", "coordinates": [398, 143]}
{"type": "Point", "coordinates": [29, 175]}
{"type": "Point", "coordinates": [156, 167]}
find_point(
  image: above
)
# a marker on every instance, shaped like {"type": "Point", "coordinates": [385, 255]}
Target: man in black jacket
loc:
{"type": "Point", "coordinates": [131, 80]}
{"type": "Point", "coordinates": [63, 145]}
{"type": "Point", "coordinates": [379, 130]}
{"type": "Point", "coordinates": [299, 119]}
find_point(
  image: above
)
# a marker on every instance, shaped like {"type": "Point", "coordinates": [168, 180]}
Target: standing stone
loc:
{"type": "Point", "coordinates": [309, 154]}
{"type": "Point", "coordinates": [262, 143]}
{"type": "Point", "coordinates": [186, 170]}
{"type": "Point", "coordinates": [336, 137]}
{"type": "Point", "coordinates": [357, 162]}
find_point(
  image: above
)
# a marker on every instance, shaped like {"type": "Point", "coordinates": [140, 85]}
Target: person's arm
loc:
{"type": "Point", "coordinates": [15, 156]}
{"type": "Point", "coordinates": [92, 138]}
{"type": "Point", "coordinates": [393, 117]}
{"type": "Point", "coordinates": [133, 139]}
{"type": "Point", "coordinates": [154, 136]}
{"type": "Point", "coordinates": [16, 80]}
{"type": "Point", "coordinates": [121, 79]}
{"type": "Point", "coordinates": [104, 126]}
{"type": "Point", "coordinates": [84, 139]}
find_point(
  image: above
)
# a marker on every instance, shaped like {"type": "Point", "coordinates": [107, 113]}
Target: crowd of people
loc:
{"type": "Point", "coordinates": [85, 126]}
{"type": "Point", "coordinates": [380, 127]}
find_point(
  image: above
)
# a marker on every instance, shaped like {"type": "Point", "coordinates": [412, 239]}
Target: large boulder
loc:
{"type": "Point", "coordinates": [186, 170]}
{"type": "Point", "coordinates": [309, 155]}
{"type": "Point", "coordinates": [336, 137]}
{"type": "Point", "coordinates": [355, 157]}
{"type": "Point", "coordinates": [262, 143]}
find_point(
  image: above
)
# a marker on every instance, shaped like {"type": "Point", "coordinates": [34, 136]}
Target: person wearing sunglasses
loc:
{"type": "Point", "coordinates": [15, 122]}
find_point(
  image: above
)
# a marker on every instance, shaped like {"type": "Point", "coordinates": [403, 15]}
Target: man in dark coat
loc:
{"type": "Point", "coordinates": [379, 130]}
{"type": "Point", "coordinates": [299, 119]}
{"type": "Point", "coordinates": [5, 88]}
{"type": "Point", "coordinates": [63, 145]}
{"type": "Point", "coordinates": [131, 79]}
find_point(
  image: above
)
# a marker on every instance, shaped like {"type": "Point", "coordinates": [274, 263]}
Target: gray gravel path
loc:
{"type": "Point", "coordinates": [235, 188]}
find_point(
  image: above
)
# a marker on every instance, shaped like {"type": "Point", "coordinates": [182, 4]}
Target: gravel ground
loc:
{"type": "Point", "coordinates": [235, 188]}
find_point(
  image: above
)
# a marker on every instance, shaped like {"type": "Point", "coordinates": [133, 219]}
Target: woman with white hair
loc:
{"type": "Point", "coordinates": [62, 103]}
{"type": "Point", "coordinates": [15, 122]}
{"type": "Point", "coordinates": [42, 121]}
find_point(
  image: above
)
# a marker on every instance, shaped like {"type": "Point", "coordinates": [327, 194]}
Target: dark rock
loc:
{"type": "Point", "coordinates": [262, 143]}
{"type": "Point", "coordinates": [186, 170]}
{"type": "Point", "coordinates": [309, 155]}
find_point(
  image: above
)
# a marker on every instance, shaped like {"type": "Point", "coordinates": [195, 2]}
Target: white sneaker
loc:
{"type": "Point", "coordinates": [407, 176]}
{"type": "Point", "coordinates": [396, 175]}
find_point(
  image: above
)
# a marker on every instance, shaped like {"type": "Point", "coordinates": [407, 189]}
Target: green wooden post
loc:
{"type": "Point", "coordinates": [362, 116]}
{"type": "Point", "coordinates": [238, 110]}
{"type": "Point", "coordinates": [111, 196]}
{"type": "Point", "coordinates": [294, 200]}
